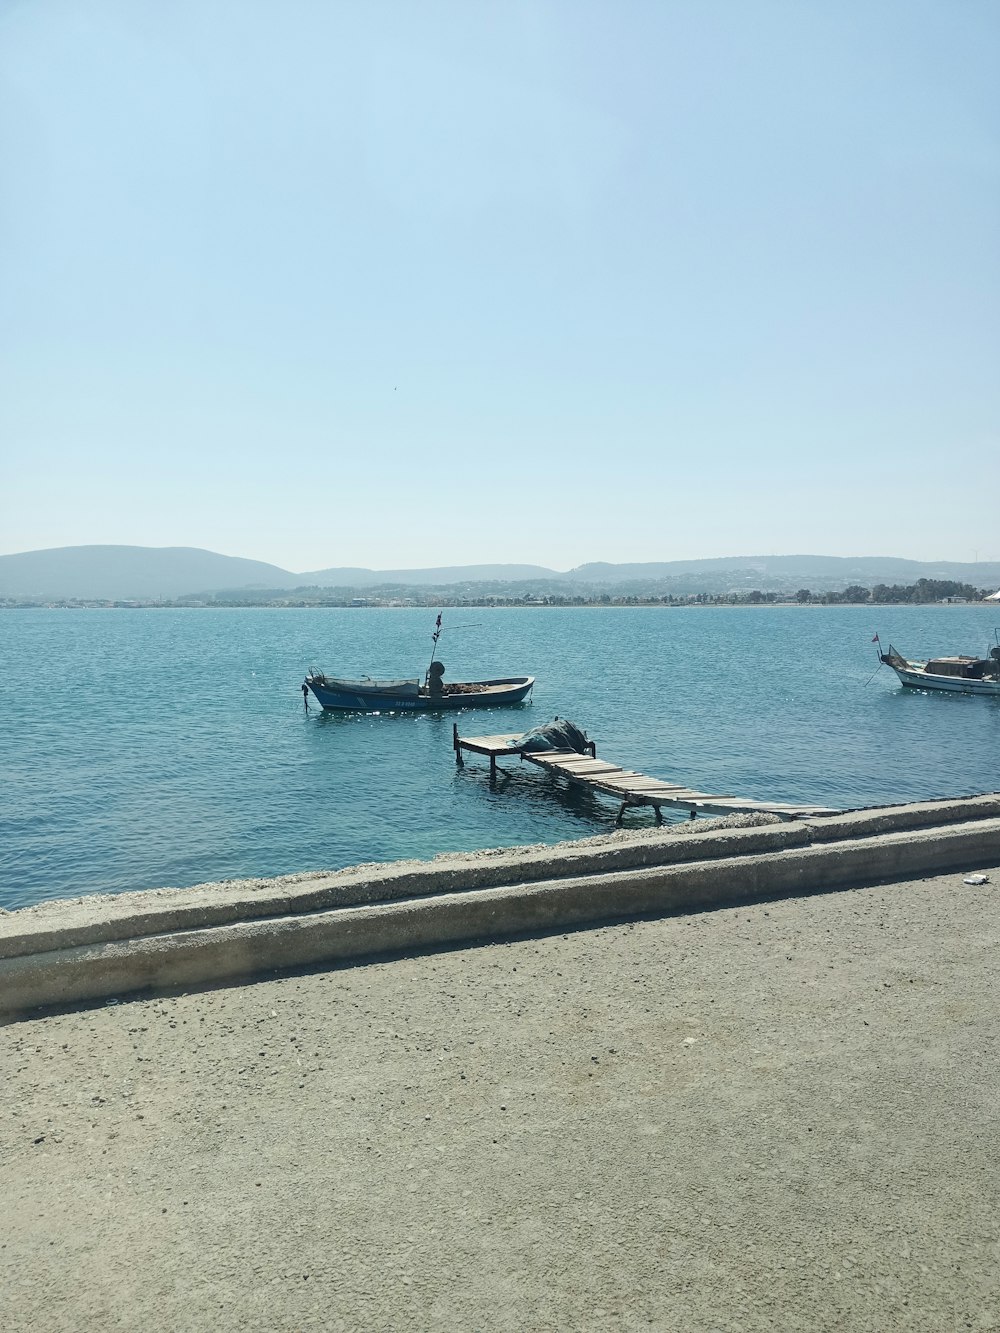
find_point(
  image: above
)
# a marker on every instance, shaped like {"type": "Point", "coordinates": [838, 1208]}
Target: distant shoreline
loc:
{"type": "Point", "coordinates": [705, 602]}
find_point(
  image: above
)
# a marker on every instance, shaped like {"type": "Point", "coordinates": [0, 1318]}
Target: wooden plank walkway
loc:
{"type": "Point", "coordinates": [627, 786]}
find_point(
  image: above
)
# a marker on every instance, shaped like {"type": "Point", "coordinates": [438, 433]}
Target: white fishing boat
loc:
{"type": "Point", "coordinates": [963, 675]}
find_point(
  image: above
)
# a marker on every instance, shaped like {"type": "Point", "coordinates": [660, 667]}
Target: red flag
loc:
{"type": "Point", "coordinates": [875, 640]}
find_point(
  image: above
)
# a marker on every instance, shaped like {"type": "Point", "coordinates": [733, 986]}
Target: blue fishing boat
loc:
{"type": "Point", "coordinates": [387, 696]}
{"type": "Point", "coordinates": [335, 693]}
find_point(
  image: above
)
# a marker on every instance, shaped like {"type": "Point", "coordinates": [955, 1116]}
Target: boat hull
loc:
{"type": "Point", "coordinates": [918, 679]}
{"type": "Point", "coordinates": [374, 697]}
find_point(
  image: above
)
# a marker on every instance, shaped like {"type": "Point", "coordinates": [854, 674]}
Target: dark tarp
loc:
{"type": "Point", "coordinates": [559, 734]}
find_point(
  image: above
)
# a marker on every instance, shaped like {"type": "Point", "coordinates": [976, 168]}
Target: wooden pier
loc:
{"type": "Point", "coordinates": [625, 785]}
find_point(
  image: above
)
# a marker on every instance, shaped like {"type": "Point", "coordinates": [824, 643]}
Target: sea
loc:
{"type": "Point", "coordinates": [142, 748]}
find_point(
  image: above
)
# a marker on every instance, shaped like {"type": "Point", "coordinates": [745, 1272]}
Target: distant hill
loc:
{"type": "Point", "coordinates": [795, 570]}
{"type": "Point", "coordinates": [124, 573]}
{"type": "Point", "coordinates": [144, 573]}
{"type": "Point", "coordinates": [450, 575]}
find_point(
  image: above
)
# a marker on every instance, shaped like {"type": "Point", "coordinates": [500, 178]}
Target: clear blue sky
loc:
{"type": "Point", "coordinates": [406, 284]}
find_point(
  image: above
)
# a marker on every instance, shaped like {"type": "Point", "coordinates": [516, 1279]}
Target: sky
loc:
{"type": "Point", "coordinates": [402, 283]}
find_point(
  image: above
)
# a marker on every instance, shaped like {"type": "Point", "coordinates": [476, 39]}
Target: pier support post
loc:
{"type": "Point", "coordinates": [456, 743]}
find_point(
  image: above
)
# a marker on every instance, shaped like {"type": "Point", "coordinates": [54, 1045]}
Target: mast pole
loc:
{"type": "Point", "coordinates": [435, 636]}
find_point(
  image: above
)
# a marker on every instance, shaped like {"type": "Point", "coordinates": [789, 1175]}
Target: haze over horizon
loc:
{"type": "Point", "coordinates": [405, 287]}
{"type": "Point", "coordinates": [126, 551]}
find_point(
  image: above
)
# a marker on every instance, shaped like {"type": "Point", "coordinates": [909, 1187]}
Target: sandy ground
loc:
{"type": "Point", "coordinates": [782, 1116]}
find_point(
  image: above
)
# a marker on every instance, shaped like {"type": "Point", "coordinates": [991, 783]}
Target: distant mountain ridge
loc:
{"type": "Point", "coordinates": [145, 573]}
{"type": "Point", "coordinates": [122, 573]}
{"type": "Point", "coordinates": [872, 568]}
{"type": "Point", "coordinates": [449, 574]}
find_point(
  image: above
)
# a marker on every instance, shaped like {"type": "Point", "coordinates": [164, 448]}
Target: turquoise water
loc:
{"type": "Point", "coordinates": [148, 748]}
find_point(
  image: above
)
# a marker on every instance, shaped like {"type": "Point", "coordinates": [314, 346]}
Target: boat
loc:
{"type": "Point", "coordinates": [964, 675]}
{"type": "Point", "coordinates": [375, 696]}
{"type": "Point", "coordinates": [334, 693]}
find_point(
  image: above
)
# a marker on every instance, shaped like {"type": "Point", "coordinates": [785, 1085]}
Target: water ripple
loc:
{"type": "Point", "coordinates": [171, 747]}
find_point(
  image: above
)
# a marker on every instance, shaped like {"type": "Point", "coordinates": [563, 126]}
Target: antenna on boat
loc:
{"type": "Point", "coordinates": [438, 631]}
{"type": "Point", "coordinates": [435, 636]}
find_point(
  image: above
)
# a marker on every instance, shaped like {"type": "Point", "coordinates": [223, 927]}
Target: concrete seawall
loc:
{"type": "Point", "coordinates": [90, 949]}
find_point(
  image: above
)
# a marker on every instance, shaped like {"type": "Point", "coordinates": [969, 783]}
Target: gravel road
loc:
{"type": "Point", "coordinates": [780, 1116]}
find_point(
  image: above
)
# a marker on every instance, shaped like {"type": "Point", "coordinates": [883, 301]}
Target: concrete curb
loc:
{"type": "Point", "coordinates": [465, 900]}
{"type": "Point", "coordinates": [60, 925]}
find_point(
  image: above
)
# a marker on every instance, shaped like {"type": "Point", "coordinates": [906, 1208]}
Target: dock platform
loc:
{"type": "Point", "coordinates": [625, 785]}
